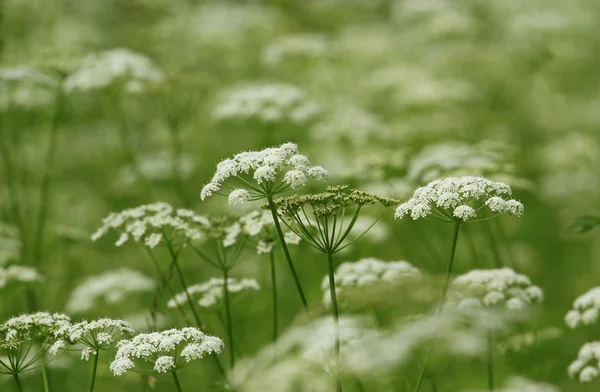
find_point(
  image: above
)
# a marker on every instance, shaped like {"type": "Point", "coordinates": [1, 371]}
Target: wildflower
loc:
{"type": "Point", "coordinates": [26, 88]}
{"type": "Point", "coordinates": [19, 273]}
{"type": "Point", "coordinates": [267, 103]}
{"type": "Point", "coordinates": [585, 367]}
{"type": "Point", "coordinates": [166, 351]}
{"type": "Point", "coordinates": [153, 224]}
{"type": "Point", "coordinates": [211, 292]}
{"type": "Point", "coordinates": [263, 168]}
{"type": "Point", "coordinates": [260, 225]}
{"type": "Point", "coordinates": [111, 286]}
{"type": "Point", "coordinates": [94, 335]}
{"type": "Point", "coordinates": [460, 199]}
{"type": "Point", "coordinates": [494, 288]}
{"type": "Point", "coordinates": [585, 309]}
{"type": "Point", "coordinates": [112, 67]}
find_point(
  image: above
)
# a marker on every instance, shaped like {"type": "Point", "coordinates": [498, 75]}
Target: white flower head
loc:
{"type": "Point", "coordinates": [164, 351]}
{"type": "Point", "coordinates": [270, 171]}
{"type": "Point", "coordinates": [211, 292]}
{"type": "Point", "coordinates": [94, 335]}
{"type": "Point", "coordinates": [501, 287]}
{"type": "Point", "coordinates": [19, 274]}
{"type": "Point", "coordinates": [260, 226]}
{"type": "Point", "coordinates": [33, 328]}
{"type": "Point", "coordinates": [585, 309]}
{"type": "Point", "coordinates": [460, 199]}
{"type": "Point", "coordinates": [25, 88]}
{"type": "Point", "coordinates": [586, 367]}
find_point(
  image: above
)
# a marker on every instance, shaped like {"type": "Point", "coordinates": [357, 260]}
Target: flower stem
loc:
{"type": "Point", "coordinates": [274, 294]}
{"type": "Point", "coordinates": [176, 381]}
{"type": "Point", "coordinates": [94, 368]}
{"type": "Point", "coordinates": [228, 315]}
{"type": "Point", "coordinates": [442, 301]}
{"type": "Point", "coordinates": [18, 381]}
{"type": "Point", "coordinates": [45, 374]}
{"type": "Point", "coordinates": [286, 251]}
{"type": "Point", "coordinates": [336, 319]}
{"type": "Point", "coordinates": [493, 245]}
{"type": "Point", "coordinates": [490, 361]}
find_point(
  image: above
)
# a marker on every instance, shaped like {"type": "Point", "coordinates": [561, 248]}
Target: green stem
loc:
{"type": "Point", "coordinates": [336, 319]}
{"type": "Point", "coordinates": [274, 294]}
{"type": "Point", "coordinates": [45, 373]}
{"type": "Point", "coordinates": [490, 361]}
{"type": "Point", "coordinates": [18, 381]}
{"type": "Point", "coordinates": [228, 315]}
{"type": "Point", "coordinates": [286, 251]}
{"type": "Point", "coordinates": [493, 245]}
{"type": "Point", "coordinates": [176, 381]}
{"type": "Point", "coordinates": [95, 366]}
{"type": "Point", "coordinates": [442, 302]}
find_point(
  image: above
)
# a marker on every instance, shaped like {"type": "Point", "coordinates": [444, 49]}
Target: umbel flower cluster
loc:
{"type": "Point", "coordinates": [110, 286]}
{"type": "Point", "coordinates": [211, 292]}
{"type": "Point", "coordinates": [459, 199]}
{"type": "Point", "coordinates": [165, 351]}
{"type": "Point", "coordinates": [270, 103]}
{"type": "Point", "coordinates": [585, 309]}
{"type": "Point", "coordinates": [152, 224]}
{"type": "Point", "coordinates": [256, 174]}
{"type": "Point", "coordinates": [112, 67]}
{"type": "Point", "coordinates": [369, 272]}
{"type": "Point", "coordinates": [19, 274]}
{"type": "Point", "coordinates": [587, 365]}
{"type": "Point", "coordinates": [260, 225]}
{"type": "Point", "coordinates": [494, 288]}
{"type": "Point", "coordinates": [34, 328]}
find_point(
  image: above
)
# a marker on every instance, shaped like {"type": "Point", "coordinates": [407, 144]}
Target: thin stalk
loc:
{"type": "Point", "coordinates": [490, 361]}
{"type": "Point", "coordinates": [45, 373]}
{"type": "Point", "coordinates": [493, 245]}
{"type": "Point", "coordinates": [176, 381]}
{"type": "Point", "coordinates": [274, 293]}
{"type": "Point", "coordinates": [18, 381]}
{"type": "Point", "coordinates": [94, 368]}
{"type": "Point", "coordinates": [443, 300]}
{"type": "Point", "coordinates": [228, 315]}
{"type": "Point", "coordinates": [336, 319]}
{"type": "Point", "coordinates": [286, 251]}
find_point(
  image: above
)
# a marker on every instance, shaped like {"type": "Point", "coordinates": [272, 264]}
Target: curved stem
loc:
{"type": "Point", "coordinates": [228, 316]}
{"type": "Point", "coordinates": [45, 373]}
{"type": "Point", "coordinates": [176, 381]}
{"type": "Point", "coordinates": [443, 300]}
{"type": "Point", "coordinates": [274, 293]}
{"type": "Point", "coordinates": [94, 368]}
{"type": "Point", "coordinates": [286, 251]}
{"type": "Point", "coordinates": [18, 381]}
{"type": "Point", "coordinates": [490, 361]}
{"type": "Point", "coordinates": [336, 319]}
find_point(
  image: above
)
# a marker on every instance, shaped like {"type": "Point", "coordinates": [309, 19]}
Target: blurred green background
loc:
{"type": "Point", "coordinates": [387, 95]}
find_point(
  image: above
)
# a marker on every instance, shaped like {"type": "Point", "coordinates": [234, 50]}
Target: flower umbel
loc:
{"type": "Point", "coordinates": [211, 292]}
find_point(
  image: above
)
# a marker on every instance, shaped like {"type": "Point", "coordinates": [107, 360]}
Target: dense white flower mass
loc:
{"type": "Point", "coordinates": [260, 225]}
{"type": "Point", "coordinates": [101, 70]}
{"type": "Point", "coordinates": [93, 335]}
{"type": "Point", "coordinates": [300, 46]}
{"type": "Point", "coordinates": [150, 223]}
{"type": "Point", "coordinates": [267, 103]}
{"type": "Point", "coordinates": [459, 199]}
{"type": "Point", "coordinates": [487, 158]}
{"type": "Point", "coordinates": [501, 287]}
{"type": "Point", "coordinates": [39, 327]}
{"type": "Point", "coordinates": [272, 170]}
{"type": "Point", "coordinates": [369, 272]}
{"type": "Point", "coordinates": [211, 292]}
{"type": "Point", "coordinates": [165, 351]}
{"type": "Point", "coordinates": [518, 384]}
{"type": "Point", "coordinates": [25, 88]}
{"type": "Point", "coordinates": [111, 286]}
{"type": "Point", "coordinates": [587, 365]}
{"type": "Point", "coordinates": [19, 274]}
{"type": "Point", "coordinates": [585, 309]}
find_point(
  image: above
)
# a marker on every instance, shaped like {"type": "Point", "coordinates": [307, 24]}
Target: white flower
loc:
{"type": "Point", "coordinates": [111, 286]}
{"type": "Point", "coordinates": [369, 272]}
{"type": "Point", "coordinates": [585, 367]}
{"type": "Point", "coordinates": [86, 353]}
{"type": "Point", "coordinates": [99, 71]}
{"type": "Point", "coordinates": [460, 199]}
{"type": "Point", "coordinates": [264, 168]}
{"type": "Point", "coordinates": [494, 287]}
{"type": "Point", "coordinates": [153, 240]}
{"type": "Point", "coordinates": [94, 335]}
{"type": "Point", "coordinates": [20, 274]}
{"type": "Point", "coordinates": [34, 328]}
{"type": "Point", "coordinates": [211, 291]}
{"type": "Point", "coordinates": [26, 88]}
{"type": "Point", "coordinates": [168, 350]}
{"type": "Point", "coordinates": [585, 309]}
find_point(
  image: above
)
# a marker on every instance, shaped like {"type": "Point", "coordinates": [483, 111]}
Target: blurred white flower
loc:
{"type": "Point", "coordinates": [293, 47]}
{"type": "Point", "coordinates": [586, 367]}
{"type": "Point", "coordinates": [585, 309]}
{"type": "Point", "coordinates": [211, 292]}
{"type": "Point", "coordinates": [25, 88]}
{"type": "Point", "coordinates": [518, 384]}
{"type": "Point", "coordinates": [19, 274]}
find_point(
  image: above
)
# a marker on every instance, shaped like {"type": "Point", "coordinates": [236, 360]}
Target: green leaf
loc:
{"type": "Point", "coordinates": [584, 224]}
